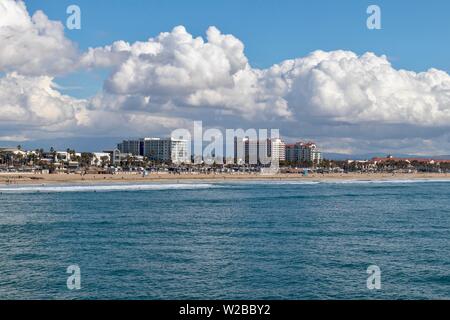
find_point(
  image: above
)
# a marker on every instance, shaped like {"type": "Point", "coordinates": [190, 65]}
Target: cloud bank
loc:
{"type": "Point", "coordinates": [32, 105]}
{"type": "Point", "coordinates": [346, 101]}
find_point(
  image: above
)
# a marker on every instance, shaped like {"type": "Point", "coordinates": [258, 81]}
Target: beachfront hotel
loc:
{"type": "Point", "coordinates": [303, 152]}
{"type": "Point", "coordinates": [165, 150]}
{"type": "Point", "coordinates": [248, 151]}
{"type": "Point", "coordinates": [278, 149]}
{"type": "Point", "coordinates": [134, 147]}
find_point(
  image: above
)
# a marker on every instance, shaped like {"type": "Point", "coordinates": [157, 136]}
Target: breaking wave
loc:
{"type": "Point", "coordinates": [397, 181]}
{"type": "Point", "coordinates": [103, 188]}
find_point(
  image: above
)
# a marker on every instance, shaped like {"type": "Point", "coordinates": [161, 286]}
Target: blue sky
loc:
{"type": "Point", "coordinates": [414, 34]}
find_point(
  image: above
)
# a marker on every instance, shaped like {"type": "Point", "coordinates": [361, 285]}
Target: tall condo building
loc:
{"type": "Point", "coordinates": [303, 152]}
{"type": "Point", "coordinates": [278, 149]}
{"type": "Point", "coordinates": [134, 147]}
{"type": "Point", "coordinates": [258, 151]}
{"type": "Point", "coordinates": [167, 150]}
{"type": "Point", "coordinates": [179, 150]}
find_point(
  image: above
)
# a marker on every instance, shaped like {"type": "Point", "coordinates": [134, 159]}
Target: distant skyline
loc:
{"type": "Point", "coordinates": [311, 69]}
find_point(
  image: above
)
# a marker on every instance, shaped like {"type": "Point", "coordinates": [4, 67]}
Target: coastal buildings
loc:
{"type": "Point", "coordinates": [248, 151]}
{"type": "Point", "coordinates": [174, 158]}
{"type": "Point", "coordinates": [137, 154]}
{"type": "Point", "coordinates": [164, 150]}
{"type": "Point", "coordinates": [13, 151]}
{"type": "Point", "coordinates": [100, 159]}
{"type": "Point", "coordinates": [179, 151]}
{"type": "Point", "coordinates": [135, 147]}
{"type": "Point", "coordinates": [65, 156]}
{"type": "Point", "coordinates": [278, 149]}
{"type": "Point", "coordinates": [303, 152]}
{"type": "Point", "coordinates": [311, 153]}
{"type": "Point", "coordinates": [157, 149]}
{"type": "Point", "coordinates": [116, 157]}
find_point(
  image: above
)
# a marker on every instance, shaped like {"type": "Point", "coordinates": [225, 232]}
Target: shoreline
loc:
{"type": "Point", "coordinates": [55, 179]}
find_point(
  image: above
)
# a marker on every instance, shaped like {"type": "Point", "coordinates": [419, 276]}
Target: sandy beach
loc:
{"type": "Point", "coordinates": [26, 179]}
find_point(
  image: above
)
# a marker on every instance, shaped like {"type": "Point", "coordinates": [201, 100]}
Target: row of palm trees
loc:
{"type": "Point", "coordinates": [39, 157]}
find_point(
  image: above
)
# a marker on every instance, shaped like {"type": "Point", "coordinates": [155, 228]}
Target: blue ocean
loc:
{"type": "Point", "coordinates": [233, 240]}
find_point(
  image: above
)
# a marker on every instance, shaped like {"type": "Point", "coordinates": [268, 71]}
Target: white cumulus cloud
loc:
{"type": "Point", "coordinates": [178, 69]}
{"type": "Point", "coordinates": [33, 45]}
{"type": "Point", "coordinates": [341, 86]}
{"type": "Point", "coordinates": [214, 75]}
{"type": "Point", "coordinates": [30, 104]}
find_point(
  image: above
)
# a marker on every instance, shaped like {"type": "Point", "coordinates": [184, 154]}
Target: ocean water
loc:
{"type": "Point", "coordinates": [239, 240]}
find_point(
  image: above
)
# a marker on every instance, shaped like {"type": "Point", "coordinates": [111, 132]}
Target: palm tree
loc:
{"type": "Point", "coordinates": [104, 160]}
{"type": "Point", "coordinates": [86, 159]}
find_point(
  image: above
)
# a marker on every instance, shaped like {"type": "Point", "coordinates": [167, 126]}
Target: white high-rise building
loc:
{"type": "Point", "coordinates": [258, 151]}
{"type": "Point", "coordinates": [179, 151]}
{"type": "Point", "coordinates": [278, 149]}
{"type": "Point", "coordinates": [167, 150]}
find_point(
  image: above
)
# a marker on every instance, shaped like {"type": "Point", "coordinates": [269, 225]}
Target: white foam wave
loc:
{"type": "Point", "coordinates": [397, 181]}
{"type": "Point", "coordinates": [103, 188]}
{"type": "Point", "coordinates": [279, 182]}
{"type": "Point", "coordinates": [343, 181]}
